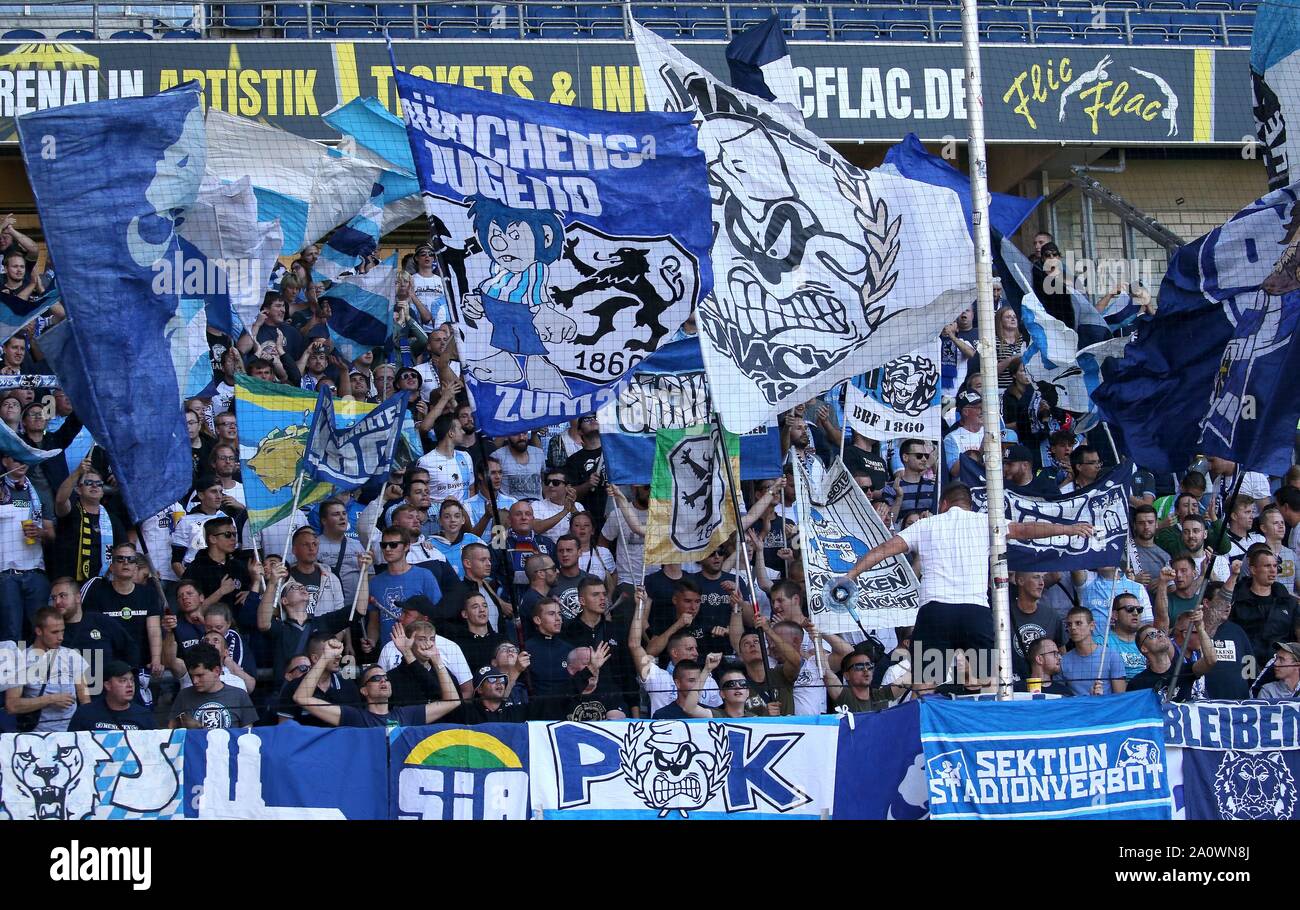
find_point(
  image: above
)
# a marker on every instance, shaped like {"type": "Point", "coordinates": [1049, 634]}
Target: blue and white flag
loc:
{"type": "Point", "coordinates": [668, 390]}
{"type": "Point", "coordinates": [125, 169]}
{"type": "Point", "coordinates": [1240, 760]}
{"type": "Point", "coordinates": [445, 772]}
{"type": "Point", "coordinates": [16, 312]}
{"type": "Point", "coordinates": [13, 446]}
{"type": "Point", "coordinates": [889, 744]}
{"type": "Point", "coordinates": [910, 159]}
{"type": "Point", "coordinates": [308, 187]}
{"type": "Point", "coordinates": [371, 133]}
{"type": "Point", "coordinates": [1092, 361]}
{"type": "Point", "coordinates": [900, 400]}
{"type": "Point", "coordinates": [1096, 758]}
{"type": "Point", "coordinates": [286, 772]}
{"type": "Point", "coordinates": [1275, 76]}
{"type": "Point", "coordinates": [349, 457]}
{"type": "Point", "coordinates": [759, 63]}
{"type": "Point", "coordinates": [585, 238]}
{"type": "Point", "coordinates": [361, 309]}
{"type": "Point", "coordinates": [1103, 504]}
{"type": "Point", "coordinates": [824, 270]}
{"type": "Point", "coordinates": [1209, 371]}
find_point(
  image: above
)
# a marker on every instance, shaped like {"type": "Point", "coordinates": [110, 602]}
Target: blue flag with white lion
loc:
{"type": "Point", "coordinates": [576, 242]}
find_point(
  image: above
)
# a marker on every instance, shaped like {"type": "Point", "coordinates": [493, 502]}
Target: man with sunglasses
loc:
{"type": "Point", "coordinates": [1122, 637]}
{"type": "Point", "coordinates": [85, 530]}
{"type": "Point", "coordinates": [856, 694]}
{"type": "Point", "coordinates": [134, 606]}
{"type": "Point", "coordinates": [426, 290]}
{"type": "Point", "coordinates": [558, 504]}
{"type": "Point", "coordinates": [401, 581]}
{"type": "Point", "coordinates": [1171, 669]}
{"type": "Point", "coordinates": [220, 576]}
{"type": "Point", "coordinates": [376, 691]}
{"type": "Point", "coordinates": [911, 491]}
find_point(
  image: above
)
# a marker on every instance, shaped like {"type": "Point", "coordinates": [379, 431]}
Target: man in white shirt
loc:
{"type": "Point", "coordinates": [451, 472]}
{"type": "Point", "coordinates": [953, 547]}
{"type": "Point", "coordinates": [54, 677]}
{"type": "Point", "coordinates": [552, 513]}
{"type": "Point", "coordinates": [968, 435]}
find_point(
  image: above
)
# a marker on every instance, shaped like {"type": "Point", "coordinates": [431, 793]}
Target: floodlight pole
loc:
{"type": "Point", "coordinates": [976, 153]}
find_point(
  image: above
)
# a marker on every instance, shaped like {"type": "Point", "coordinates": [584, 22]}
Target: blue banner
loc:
{"type": "Point", "coordinates": [1207, 373]}
{"type": "Point", "coordinates": [1275, 77]}
{"type": "Point", "coordinates": [889, 783]}
{"type": "Point", "coordinates": [286, 772]}
{"type": "Point", "coordinates": [15, 312]}
{"type": "Point", "coordinates": [578, 242]}
{"type": "Point", "coordinates": [109, 194]}
{"type": "Point", "coordinates": [446, 772]}
{"type": "Point", "coordinates": [13, 446]}
{"type": "Point", "coordinates": [349, 457]}
{"type": "Point", "coordinates": [668, 390]}
{"type": "Point", "coordinates": [1241, 760]}
{"type": "Point", "coordinates": [1103, 504]}
{"type": "Point", "coordinates": [1098, 758]}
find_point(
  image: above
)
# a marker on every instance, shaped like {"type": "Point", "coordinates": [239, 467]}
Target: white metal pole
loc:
{"type": "Point", "coordinates": [987, 346]}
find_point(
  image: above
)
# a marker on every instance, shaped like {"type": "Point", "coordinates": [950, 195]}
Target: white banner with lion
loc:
{"type": "Point", "coordinates": [901, 400]}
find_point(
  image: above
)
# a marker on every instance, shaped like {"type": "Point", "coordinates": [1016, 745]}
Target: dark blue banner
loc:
{"type": "Point", "coordinates": [286, 772]}
{"type": "Point", "coordinates": [575, 242]}
{"type": "Point", "coordinates": [445, 772]}
{"type": "Point", "coordinates": [110, 180]}
{"type": "Point", "coordinates": [1103, 504]}
{"type": "Point", "coordinates": [880, 768]}
{"type": "Point", "coordinates": [1101, 758]}
{"type": "Point", "coordinates": [1241, 760]}
{"type": "Point", "coordinates": [668, 390]}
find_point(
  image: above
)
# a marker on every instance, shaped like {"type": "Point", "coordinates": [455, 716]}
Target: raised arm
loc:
{"type": "Point", "coordinates": [692, 706]}
{"type": "Point", "coordinates": [1034, 530]}
{"type": "Point", "coordinates": [895, 546]}
{"type": "Point", "coordinates": [305, 695]}
{"type": "Point", "coordinates": [636, 630]}
{"type": "Point", "coordinates": [450, 699]}
{"type": "Point", "coordinates": [633, 522]}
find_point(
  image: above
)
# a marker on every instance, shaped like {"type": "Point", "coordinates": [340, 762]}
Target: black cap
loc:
{"type": "Point", "coordinates": [115, 668]}
{"type": "Point", "coordinates": [968, 398]}
{"type": "Point", "coordinates": [482, 674]}
{"type": "Point", "coordinates": [205, 481]}
{"type": "Point", "coordinates": [419, 603]}
{"type": "Point", "coordinates": [1017, 452]}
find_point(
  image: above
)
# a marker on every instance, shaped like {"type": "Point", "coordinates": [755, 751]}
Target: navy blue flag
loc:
{"type": "Point", "coordinates": [759, 63]}
{"type": "Point", "coordinates": [1103, 504]}
{"type": "Point", "coordinates": [351, 456]}
{"type": "Point", "coordinates": [577, 242]}
{"type": "Point", "coordinates": [1099, 758]}
{"type": "Point", "coordinates": [910, 159]}
{"type": "Point", "coordinates": [1240, 760]}
{"type": "Point", "coordinates": [889, 744]}
{"type": "Point", "coordinates": [110, 179]}
{"type": "Point", "coordinates": [15, 312]}
{"type": "Point", "coordinates": [668, 390]}
{"type": "Point", "coordinates": [286, 772]}
{"type": "Point", "coordinates": [1210, 372]}
{"type": "Point", "coordinates": [446, 772]}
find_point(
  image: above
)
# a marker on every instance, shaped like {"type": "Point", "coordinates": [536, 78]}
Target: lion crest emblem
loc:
{"type": "Point", "coordinates": [278, 454]}
{"type": "Point", "coordinates": [1251, 787]}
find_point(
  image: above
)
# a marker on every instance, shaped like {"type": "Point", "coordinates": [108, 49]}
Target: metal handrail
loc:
{"type": "Point", "coordinates": [210, 20]}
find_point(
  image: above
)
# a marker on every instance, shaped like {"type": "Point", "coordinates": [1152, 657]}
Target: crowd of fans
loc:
{"type": "Point", "coordinates": [504, 579]}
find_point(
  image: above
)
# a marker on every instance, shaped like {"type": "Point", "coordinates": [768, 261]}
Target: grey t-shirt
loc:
{"type": "Point", "coordinates": [220, 710]}
{"type": "Point", "coordinates": [522, 481]}
{"type": "Point", "coordinates": [1080, 672]}
{"type": "Point", "coordinates": [1150, 559]}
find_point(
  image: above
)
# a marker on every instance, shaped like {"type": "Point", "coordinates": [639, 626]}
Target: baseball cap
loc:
{"type": "Point", "coordinates": [483, 674]}
{"type": "Point", "coordinates": [1291, 647]}
{"type": "Point", "coordinates": [968, 398]}
{"type": "Point", "coordinates": [115, 668]}
{"type": "Point", "coordinates": [420, 603]}
{"type": "Point", "coordinates": [1017, 452]}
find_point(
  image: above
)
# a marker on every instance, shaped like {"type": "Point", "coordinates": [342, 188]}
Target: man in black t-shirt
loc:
{"type": "Point", "coordinates": [376, 691]}
{"type": "Point", "coordinates": [79, 548]}
{"type": "Point", "coordinates": [115, 708]}
{"type": "Point", "coordinates": [84, 631]}
{"type": "Point", "coordinates": [585, 468]}
{"type": "Point", "coordinates": [135, 607]}
{"type": "Point", "coordinates": [1174, 670]}
{"type": "Point", "coordinates": [220, 576]}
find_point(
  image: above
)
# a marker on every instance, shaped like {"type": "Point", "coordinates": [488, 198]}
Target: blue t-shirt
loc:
{"type": "Point", "coordinates": [1134, 662]}
{"type": "Point", "coordinates": [451, 552]}
{"type": "Point", "coordinates": [1096, 596]}
{"type": "Point", "coordinates": [388, 591]}
{"type": "Point", "coordinates": [1079, 672]}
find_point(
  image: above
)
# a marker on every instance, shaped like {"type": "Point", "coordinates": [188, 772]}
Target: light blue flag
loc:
{"type": "Point", "coordinates": [349, 457]}
{"type": "Point", "coordinates": [361, 309]}
{"type": "Point", "coordinates": [1275, 76]}
{"type": "Point", "coordinates": [12, 446]}
{"type": "Point", "coordinates": [108, 200]}
{"type": "Point", "coordinates": [16, 312]}
{"type": "Point", "coordinates": [373, 128]}
{"type": "Point", "coordinates": [1092, 361]}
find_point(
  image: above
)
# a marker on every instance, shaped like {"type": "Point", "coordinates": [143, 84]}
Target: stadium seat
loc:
{"type": "Point", "coordinates": [945, 3]}
{"type": "Point", "coordinates": [397, 13]}
{"type": "Point", "coordinates": [459, 14]}
{"type": "Point", "coordinates": [1121, 5]}
{"type": "Point", "coordinates": [909, 31]}
{"type": "Point", "coordinates": [1198, 35]}
{"type": "Point", "coordinates": [348, 12]}
{"type": "Point", "coordinates": [26, 34]}
{"type": "Point", "coordinates": [1053, 33]}
{"type": "Point", "coordinates": [1085, 5]}
{"type": "Point", "coordinates": [1203, 19]}
{"type": "Point", "coordinates": [1214, 5]}
{"type": "Point", "coordinates": [814, 16]}
{"type": "Point", "coordinates": [469, 31]}
{"type": "Point", "coordinates": [552, 14]}
{"type": "Point", "coordinates": [560, 33]}
{"type": "Point", "coordinates": [1005, 32]}
{"type": "Point", "coordinates": [669, 30]}
{"type": "Point", "coordinates": [293, 13]}
{"type": "Point", "coordinates": [1029, 3]}
{"type": "Point", "coordinates": [948, 32]}
{"type": "Point", "coordinates": [742, 17]}
{"type": "Point", "coordinates": [77, 34]}
{"type": "Point", "coordinates": [242, 15]}
{"type": "Point", "coordinates": [180, 34]}
{"type": "Point", "coordinates": [357, 31]}
{"type": "Point", "coordinates": [1103, 34]}
{"type": "Point", "coordinates": [711, 32]}
{"type": "Point", "coordinates": [1150, 34]}
{"type": "Point", "coordinates": [131, 34]}
{"type": "Point", "coordinates": [610, 31]}
{"type": "Point", "coordinates": [1250, 5]}
{"type": "Point", "coordinates": [852, 16]}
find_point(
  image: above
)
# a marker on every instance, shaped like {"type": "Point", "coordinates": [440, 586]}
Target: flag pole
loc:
{"type": "Point", "coordinates": [356, 595]}
{"type": "Point", "coordinates": [978, 162]}
{"type": "Point", "coordinates": [288, 540]}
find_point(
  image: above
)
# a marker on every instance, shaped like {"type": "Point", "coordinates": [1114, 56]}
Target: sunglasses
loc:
{"type": "Point", "coordinates": [224, 534]}
{"type": "Point", "coordinates": [376, 677]}
{"type": "Point", "coordinates": [556, 483]}
{"type": "Point", "coordinates": [123, 559]}
{"type": "Point", "coordinates": [1154, 633]}
{"type": "Point", "coordinates": [1133, 610]}
{"type": "Point", "coordinates": [392, 544]}
{"type": "Point", "coordinates": [93, 484]}
{"type": "Point", "coordinates": [494, 678]}
{"type": "Point", "coordinates": [298, 671]}
{"type": "Point", "coordinates": [862, 667]}
{"type": "Point", "coordinates": [919, 454]}
{"type": "Point", "coordinates": [735, 684]}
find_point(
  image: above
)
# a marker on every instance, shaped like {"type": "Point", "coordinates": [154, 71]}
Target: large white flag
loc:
{"type": "Point", "coordinates": [901, 400]}
{"type": "Point", "coordinates": [821, 270]}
